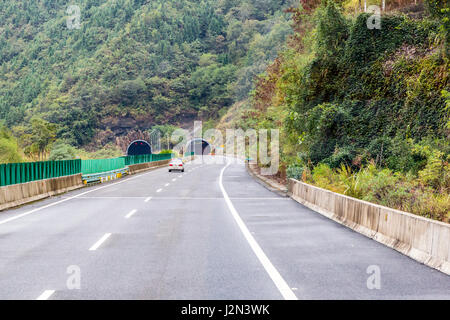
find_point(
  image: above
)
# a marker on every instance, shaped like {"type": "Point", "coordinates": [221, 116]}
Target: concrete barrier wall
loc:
{"type": "Point", "coordinates": [136, 168]}
{"type": "Point", "coordinates": [425, 240]}
{"type": "Point", "coordinates": [18, 194]}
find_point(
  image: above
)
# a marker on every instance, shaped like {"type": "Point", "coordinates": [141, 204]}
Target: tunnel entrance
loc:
{"type": "Point", "coordinates": [198, 147]}
{"type": "Point", "coordinates": [139, 147]}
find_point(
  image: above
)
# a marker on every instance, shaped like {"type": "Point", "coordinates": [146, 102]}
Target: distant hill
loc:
{"type": "Point", "coordinates": [132, 63]}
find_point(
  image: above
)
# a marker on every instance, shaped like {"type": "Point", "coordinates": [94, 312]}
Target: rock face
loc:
{"type": "Point", "coordinates": [124, 141]}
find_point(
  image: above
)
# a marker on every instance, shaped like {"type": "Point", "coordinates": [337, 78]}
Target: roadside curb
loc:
{"type": "Point", "coordinates": [273, 186]}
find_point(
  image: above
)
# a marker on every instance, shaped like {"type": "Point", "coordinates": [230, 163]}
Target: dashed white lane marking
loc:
{"type": "Point", "coordinates": [45, 295]}
{"type": "Point", "coordinates": [167, 184]}
{"type": "Point", "coordinates": [69, 198]}
{"type": "Point", "coordinates": [180, 176]}
{"type": "Point", "coordinates": [100, 242]}
{"type": "Point", "coordinates": [159, 190]}
{"type": "Point", "coordinates": [174, 179]}
{"type": "Point", "coordinates": [276, 277]}
{"type": "Point", "coordinates": [148, 199]}
{"type": "Point", "coordinates": [130, 214]}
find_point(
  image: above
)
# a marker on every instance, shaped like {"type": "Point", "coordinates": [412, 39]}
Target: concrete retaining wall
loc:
{"type": "Point", "coordinates": [425, 240]}
{"type": "Point", "coordinates": [18, 194]}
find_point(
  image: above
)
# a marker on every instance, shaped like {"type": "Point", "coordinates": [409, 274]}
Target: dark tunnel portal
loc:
{"type": "Point", "coordinates": [139, 147]}
{"type": "Point", "coordinates": [198, 147]}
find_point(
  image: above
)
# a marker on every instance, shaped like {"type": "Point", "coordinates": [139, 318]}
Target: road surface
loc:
{"type": "Point", "coordinates": [209, 233]}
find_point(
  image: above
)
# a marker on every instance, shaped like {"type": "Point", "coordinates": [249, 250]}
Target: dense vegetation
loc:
{"type": "Point", "coordinates": [132, 64]}
{"type": "Point", "coordinates": [364, 111]}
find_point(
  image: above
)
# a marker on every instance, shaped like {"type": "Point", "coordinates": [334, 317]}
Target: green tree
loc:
{"type": "Point", "coordinates": [43, 135]}
{"type": "Point", "coordinates": [9, 149]}
{"type": "Point", "coordinates": [62, 151]}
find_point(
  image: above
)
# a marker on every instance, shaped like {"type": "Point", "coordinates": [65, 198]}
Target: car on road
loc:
{"type": "Point", "coordinates": [176, 165]}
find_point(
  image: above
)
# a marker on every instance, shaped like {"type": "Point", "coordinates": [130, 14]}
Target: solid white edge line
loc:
{"type": "Point", "coordinates": [129, 215]}
{"type": "Point", "coordinates": [100, 242]}
{"type": "Point", "coordinates": [67, 199]}
{"type": "Point", "coordinates": [273, 273]}
{"type": "Point", "coordinates": [45, 295]}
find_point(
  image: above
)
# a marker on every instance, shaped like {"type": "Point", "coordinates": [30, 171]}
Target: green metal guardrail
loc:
{"type": "Point", "coordinates": [130, 160]}
{"type": "Point", "coordinates": [102, 165]}
{"type": "Point", "coordinates": [14, 173]}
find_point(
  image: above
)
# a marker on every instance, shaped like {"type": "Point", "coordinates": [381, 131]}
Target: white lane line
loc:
{"type": "Point", "coordinates": [99, 242]}
{"type": "Point", "coordinates": [276, 277]}
{"type": "Point", "coordinates": [174, 179]}
{"type": "Point", "coordinates": [45, 295]}
{"type": "Point", "coordinates": [167, 184]}
{"type": "Point", "coordinates": [159, 190]}
{"type": "Point", "coordinates": [148, 199]}
{"type": "Point", "coordinates": [129, 215]}
{"type": "Point", "coordinates": [69, 198]}
{"type": "Point", "coordinates": [180, 176]}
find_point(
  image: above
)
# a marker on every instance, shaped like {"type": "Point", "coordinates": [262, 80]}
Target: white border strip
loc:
{"type": "Point", "coordinates": [45, 295]}
{"type": "Point", "coordinates": [100, 242]}
{"type": "Point", "coordinates": [129, 215]}
{"type": "Point", "coordinates": [278, 280]}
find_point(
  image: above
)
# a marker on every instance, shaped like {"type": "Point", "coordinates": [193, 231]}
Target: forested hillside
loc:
{"type": "Point", "coordinates": [132, 63]}
{"type": "Point", "coordinates": [363, 111]}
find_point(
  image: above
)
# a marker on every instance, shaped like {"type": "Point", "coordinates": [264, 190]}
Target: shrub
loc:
{"type": "Point", "coordinates": [407, 192]}
{"type": "Point", "coordinates": [324, 177]}
{"type": "Point", "coordinates": [62, 151]}
{"type": "Point", "coordinates": [9, 149]}
{"type": "Point", "coordinates": [435, 7]}
{"type": "Point", "coordinates": [295, 172]}
{"type": "Point", "coordinates": [437, 170]}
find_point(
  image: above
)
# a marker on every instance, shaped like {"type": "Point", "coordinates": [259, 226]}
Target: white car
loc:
{"type": "Point", "coordinates": [176, 165]}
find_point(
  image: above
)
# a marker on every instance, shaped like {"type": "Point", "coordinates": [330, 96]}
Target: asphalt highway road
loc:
{"type": "Point", "coordinates": [209, 233]}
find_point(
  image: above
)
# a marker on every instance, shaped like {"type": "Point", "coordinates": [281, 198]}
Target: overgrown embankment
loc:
{"type": "Point", "coordinates": [364, 112]}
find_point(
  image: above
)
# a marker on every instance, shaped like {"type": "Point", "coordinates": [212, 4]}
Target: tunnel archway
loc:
{"type": "Point", "coordinates": [139, 147]}
{"type": "Point", "coordinates": [198, 146]}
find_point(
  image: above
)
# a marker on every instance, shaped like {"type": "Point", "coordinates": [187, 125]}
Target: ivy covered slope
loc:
{"type": "Point", "coordinates": [132, 64]}
{"type": "Point", "coordinates": [364, 111]}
